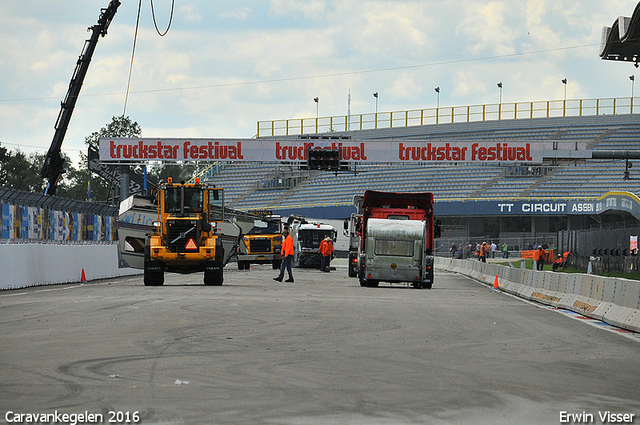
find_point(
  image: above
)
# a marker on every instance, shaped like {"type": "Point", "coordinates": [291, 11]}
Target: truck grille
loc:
{"type": "Point", "coordinates": [178, 234]}
{"type": "Point", "coordinates": [259, 245]}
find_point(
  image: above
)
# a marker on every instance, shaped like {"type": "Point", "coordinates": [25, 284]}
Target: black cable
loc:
{"type": "Point", "coordinates": [135, 39]}
{"type": "Point", "coordinates": [153, 13]}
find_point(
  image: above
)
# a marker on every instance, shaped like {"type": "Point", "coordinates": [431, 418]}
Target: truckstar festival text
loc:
{"type": "Point", "coordinates": [292, 150]}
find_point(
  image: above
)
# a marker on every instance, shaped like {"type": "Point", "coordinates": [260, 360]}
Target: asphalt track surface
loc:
{"type": "Point", "coordinates": [322, 350]}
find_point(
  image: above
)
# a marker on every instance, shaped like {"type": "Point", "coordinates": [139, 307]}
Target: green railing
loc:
{"type": "Point", "coordinates": [448, 115]}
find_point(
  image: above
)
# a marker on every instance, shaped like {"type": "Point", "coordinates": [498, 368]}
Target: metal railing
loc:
{"type": "Point", "coordinates": [448, 115]}
{"type": "Point", "coordinates": [36, 218]}
{"type": "Point", "coordinates": [208, 172]}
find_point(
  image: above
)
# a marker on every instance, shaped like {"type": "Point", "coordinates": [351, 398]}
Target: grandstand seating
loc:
{"type": "Point", "coordinates": [576, 179]}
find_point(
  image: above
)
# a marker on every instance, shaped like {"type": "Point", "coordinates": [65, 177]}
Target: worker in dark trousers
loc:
{"type": "Point", "coordinates": [287, 256]}
{"type": "Point", "coordinates": [541, 255]}
{"type": "Point", "coordinates": [325, 250]}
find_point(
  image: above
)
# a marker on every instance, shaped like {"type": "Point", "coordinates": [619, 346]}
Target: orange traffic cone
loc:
{"type": "Point", "coordinates": [495, 283]}
{"type": "Point", "coordinates": [83, 278]}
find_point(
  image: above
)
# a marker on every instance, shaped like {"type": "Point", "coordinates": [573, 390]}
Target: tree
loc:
{"type": "Point", "coordinates": [21, 172]}
{"type": "Point", "coordinates": [3, 170]}
{"type": "Point", "coordinates": [180, 171]}
{"type": "Point", "coordinates": [120, 126]}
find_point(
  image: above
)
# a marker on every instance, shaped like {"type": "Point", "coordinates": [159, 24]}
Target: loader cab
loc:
{"type": "Point", "coordinates": [216, 204]}
{"type": "Point", "coordinates": [191, 200]}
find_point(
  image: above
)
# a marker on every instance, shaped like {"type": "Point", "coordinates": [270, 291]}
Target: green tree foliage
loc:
{"type": "Point", "coordinates": [181, 171]}
{"type": "Point", "coordinates": [20, 171]}
{"type": "Point", "coordinates": [118, 127]}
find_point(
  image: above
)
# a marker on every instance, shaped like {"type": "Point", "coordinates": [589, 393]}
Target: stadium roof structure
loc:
{"type": "Point", "coordinates": [621, 41]}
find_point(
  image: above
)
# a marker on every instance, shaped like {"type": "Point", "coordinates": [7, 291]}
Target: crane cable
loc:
{"type": "Point", "coordinates": [133, 52]}
{"type": "Point", "coordinates": [135, 38]}
{"type": "Point", "coordinates": [153, 13]}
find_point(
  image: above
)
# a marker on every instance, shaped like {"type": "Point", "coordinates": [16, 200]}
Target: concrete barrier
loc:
{"type": "Point", "coordinates": [613, 300]}
{"type": "Point", "coordinates": [35, 264]}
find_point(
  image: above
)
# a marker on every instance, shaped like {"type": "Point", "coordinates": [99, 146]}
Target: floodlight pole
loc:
{"type": "Point", "coordinates": [376, 114]}
{"type": "Point", "coordinates": [633, 82]}
{"type": "Point", "coordinates": [564, 104]}
{"type": "Point", "coordinates": [317, 100]}
{"type": "Point", "coordinates": [500, 103]}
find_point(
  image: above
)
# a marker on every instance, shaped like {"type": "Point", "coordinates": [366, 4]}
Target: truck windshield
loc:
{"type": "Point", "coordinates": [397, 217]}
{"type": "Point", "coordinates": [265, 228]}
{"type": "Point", "coordinates": [310, 238]}
{"type": "Point", "coordinates": [193, 200]}
{"type": "Point", "coordinates": [394, 248]}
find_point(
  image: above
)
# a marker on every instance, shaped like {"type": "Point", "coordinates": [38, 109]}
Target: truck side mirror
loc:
{"type": "Point", "coordinates": [436, 228]}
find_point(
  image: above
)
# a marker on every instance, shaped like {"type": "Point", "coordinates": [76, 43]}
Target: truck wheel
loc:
{"type": "Point", "coordinates": [363, 281]}
{"type": "Point", "coordinates": [276, 264]}
{"type": "Point", "coordinates": [426, 285]}
{"type": "Point", "coordinates": [353, 272]}
{"type": "Point", "coordinates": [213, 274]}
{"type": "Point", "coordinates": [153, 271]}
{"type": "Point", "coordinates": [372, 283]}
{"type": "Point", "coordinates": [241, 265]}
{"type": "Point", "coordinates": [213, 269]}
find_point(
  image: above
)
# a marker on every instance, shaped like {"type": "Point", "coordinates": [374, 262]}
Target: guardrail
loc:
{"type": "Point", "coordinates": [448, 115]}
{"type": "Point", "coordinates": [612, 300]}
{"type": "Point", "coordinates": [38, 264]}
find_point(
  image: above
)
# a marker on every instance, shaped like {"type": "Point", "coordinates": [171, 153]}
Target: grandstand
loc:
{"type": "Point", "coordinates": [283, 187]}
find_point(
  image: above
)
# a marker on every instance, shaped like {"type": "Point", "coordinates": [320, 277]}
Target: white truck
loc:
{"type": "Point", "coordinates": [306, 240]}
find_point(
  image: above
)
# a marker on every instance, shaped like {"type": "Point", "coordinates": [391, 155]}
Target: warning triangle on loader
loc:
{"type": "Point", "coordinates": [191, 245]}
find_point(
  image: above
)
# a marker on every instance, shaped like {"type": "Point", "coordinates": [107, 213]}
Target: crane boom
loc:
{"type": "Point", "coordinates": [53, 163]}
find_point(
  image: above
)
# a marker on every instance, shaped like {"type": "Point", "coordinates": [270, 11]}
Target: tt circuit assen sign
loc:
{"type": "Point", "coordinates": [292, 150]}
{"type": "Point", "coordinates": [621, 202]}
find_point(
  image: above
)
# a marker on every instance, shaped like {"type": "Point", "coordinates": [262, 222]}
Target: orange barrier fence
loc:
{"type": "Point", "coordinates": [548, 254]}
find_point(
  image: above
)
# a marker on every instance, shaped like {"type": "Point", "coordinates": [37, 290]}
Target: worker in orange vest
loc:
{"type": "Point", "coordinates": [287, 256]}
{"type": "Point", "coordinates": [538, 258]}
{"type": "Point", "coordinates": [325, 250]}
{"type": "Point", "coordinates": [483, 252]}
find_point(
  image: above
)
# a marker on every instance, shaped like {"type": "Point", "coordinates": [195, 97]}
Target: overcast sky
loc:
{"type": "Point", "coordinates": [224, 65]}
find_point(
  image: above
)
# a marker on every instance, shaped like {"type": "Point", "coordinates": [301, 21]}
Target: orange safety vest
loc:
{"type": "Point", "coordinates": [326, 248]}
{"type": "Point", "coordinates": [287, 246]}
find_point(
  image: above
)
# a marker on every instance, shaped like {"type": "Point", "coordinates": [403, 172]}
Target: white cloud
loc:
{"type": "Point", "coordinates": [240, 14]}
{"type": "Point", "coordinates": [190, 13]}
{"type": "Point", "coordinates": [405, 87]}
{"type": "Point", "coordinates": [310, 9]}
{"type": "Point", "coordinates": [489, 28]}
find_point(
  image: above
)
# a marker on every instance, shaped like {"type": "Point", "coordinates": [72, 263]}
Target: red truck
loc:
{"type": "Point", "coordinates": [392, 238]}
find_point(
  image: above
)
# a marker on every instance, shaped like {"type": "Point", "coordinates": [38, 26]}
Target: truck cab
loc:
{"type": "Point", "coordinates": [262, 244]}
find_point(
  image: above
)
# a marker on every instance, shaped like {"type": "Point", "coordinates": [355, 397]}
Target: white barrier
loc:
{"type": "Point", "coordinates": [34, 264]}
{"type": "Point", "coordinates": [613, 300]}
